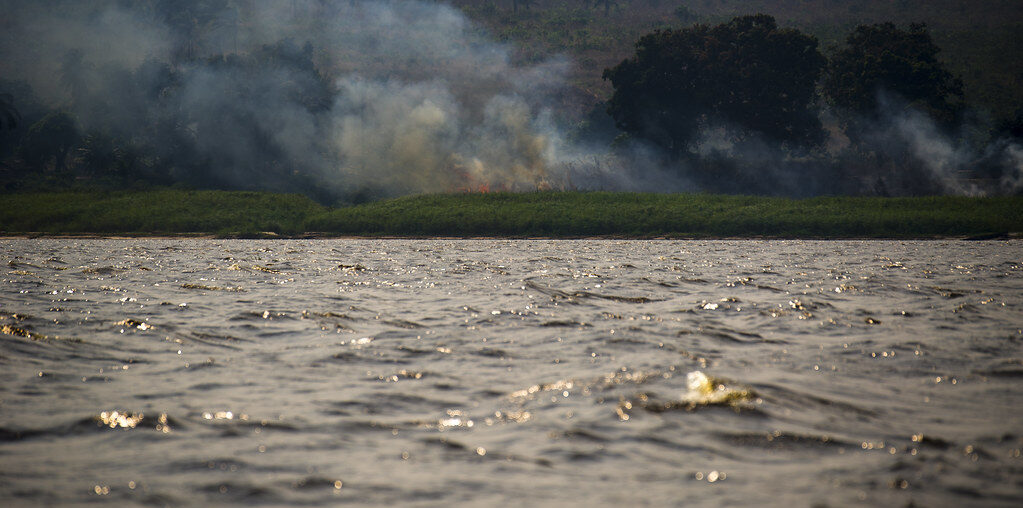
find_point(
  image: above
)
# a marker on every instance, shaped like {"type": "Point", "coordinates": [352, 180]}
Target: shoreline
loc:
{"type": "Point", "coordinates": [172, 213]}
{"type": "Point", "coordinates": [1010, 236]}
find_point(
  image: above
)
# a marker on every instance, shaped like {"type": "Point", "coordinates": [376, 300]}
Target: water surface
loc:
{"type": "Point", "coordinates": [530, 373]}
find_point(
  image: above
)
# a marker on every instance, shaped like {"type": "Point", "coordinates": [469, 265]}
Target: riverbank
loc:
{"type": "Point", "coordinates": [514, 215]}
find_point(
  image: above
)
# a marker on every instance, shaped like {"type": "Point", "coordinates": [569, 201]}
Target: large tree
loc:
{"type": "Point", "coordinates": [746, 75]}
{"type": "Point", "coordinates": [884, 59]}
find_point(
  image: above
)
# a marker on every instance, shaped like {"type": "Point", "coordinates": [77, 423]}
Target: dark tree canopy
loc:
{"type": "Point", "coordinates": [1013, 126]}
{"type": "Point", "coordinates": [748, 74]}
{"type": "Point", "coordinates": [685, 15]}
{"type": "Point", "coordinates": [884, 58]}
{"type": "Point", "coordinates": [606, 4]}
{"type": "Point", "coordinates": [50, 139]}
{"type": "Point", "coordinates": [526, 4]}
{"type": "Point", "coordinates": [9, 116]}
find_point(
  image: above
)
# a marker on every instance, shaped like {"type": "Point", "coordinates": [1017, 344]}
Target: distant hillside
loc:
{"type": "Point", "coordinates": [981, 39]}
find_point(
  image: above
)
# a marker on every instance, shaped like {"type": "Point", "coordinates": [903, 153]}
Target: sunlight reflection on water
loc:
{"type": "Point", "coordinates": [546, 373]}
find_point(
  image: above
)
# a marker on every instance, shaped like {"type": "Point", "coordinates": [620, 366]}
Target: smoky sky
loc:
{"type": "Point", "coordinates": [395, 97]}
{"type": "Point", "coordinates": [390, 97]}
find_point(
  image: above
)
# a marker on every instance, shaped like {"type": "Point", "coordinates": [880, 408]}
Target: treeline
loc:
{"type": "Point", "coordinates": [721, 100]}
{"type": "Point", "coordinates": [978, 38]}
{"type": "Point", "coordinates": [973, 11]}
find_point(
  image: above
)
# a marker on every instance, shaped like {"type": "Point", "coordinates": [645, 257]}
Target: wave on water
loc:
{"type": "Point", "coordinates": [380, 372]}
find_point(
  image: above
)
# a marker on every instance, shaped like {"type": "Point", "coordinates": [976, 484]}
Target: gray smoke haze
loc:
{"type": "Point", "coordinates": [358, 99]}
{"type": "Point", "coordinates": [929, 159]}
{"type": "Point", "coordinates": [898, 151]}
{"type": "Point", "coordinates": [36, 35]}
{"type": "Point", "coordinates": [383, 97]}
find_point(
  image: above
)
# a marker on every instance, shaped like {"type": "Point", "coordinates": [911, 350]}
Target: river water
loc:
{"type": "Point", "coordinates": [523, 373]}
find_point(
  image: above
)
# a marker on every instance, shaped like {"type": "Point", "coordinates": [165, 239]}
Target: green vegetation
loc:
{"type": "Point", "coordinates": [155, 212]}
{"type": "Point", "coordinates": [976, 38]}
{"type": "Point", "coordinates": [538, 214]}
{"type": "Point", "coordinates": [726, 98]}
{"type": "Point", "coordinates": [905, 62]}
{"type": "Point", "coordinates": [747, 73]}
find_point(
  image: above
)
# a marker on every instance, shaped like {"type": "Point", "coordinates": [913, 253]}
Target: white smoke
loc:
{"type": "Point", "coordinates": [950, 162]}
{"type": "Point", "coordinates": [1012, 160]}
{"type": "Point", "coordinates": [389, 97]}
{"type": "Point", "coordinates": [423, 100]}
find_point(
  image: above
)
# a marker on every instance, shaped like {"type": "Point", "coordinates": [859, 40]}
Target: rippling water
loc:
{"type": "Point", "coordinates": [550, 373]}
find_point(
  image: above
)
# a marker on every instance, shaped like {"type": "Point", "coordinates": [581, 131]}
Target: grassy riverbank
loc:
{"type": "Point", "coordinates": [540, 214]}
{"type": "Point", "coordinates": [156, 212]}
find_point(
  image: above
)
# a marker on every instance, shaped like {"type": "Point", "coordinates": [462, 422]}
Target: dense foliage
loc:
{"type": "Point", "coordinates": [977, 38]}
{"type": "Point", "coordinates": [50, 140]}
{"type": "Point", "coordinates": [9, 116]}
{"type": "Point", "coordinates": [747, 75]}
{"type": "Point", "coordinates": [884, 59]}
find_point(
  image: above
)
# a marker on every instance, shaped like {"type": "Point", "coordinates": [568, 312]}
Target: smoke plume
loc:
{"type": "Point", "coordinates": [378, 98]}
{"type": "Point", "coordinates": [360, 99]}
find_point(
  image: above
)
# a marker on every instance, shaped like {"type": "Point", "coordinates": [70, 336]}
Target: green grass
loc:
{"type": "Point", "coordinates": [155, 212]}
{"type": "Point", "coordinates": [537, 214]}
{"type": "Point", "coordinates": [567, 214]}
